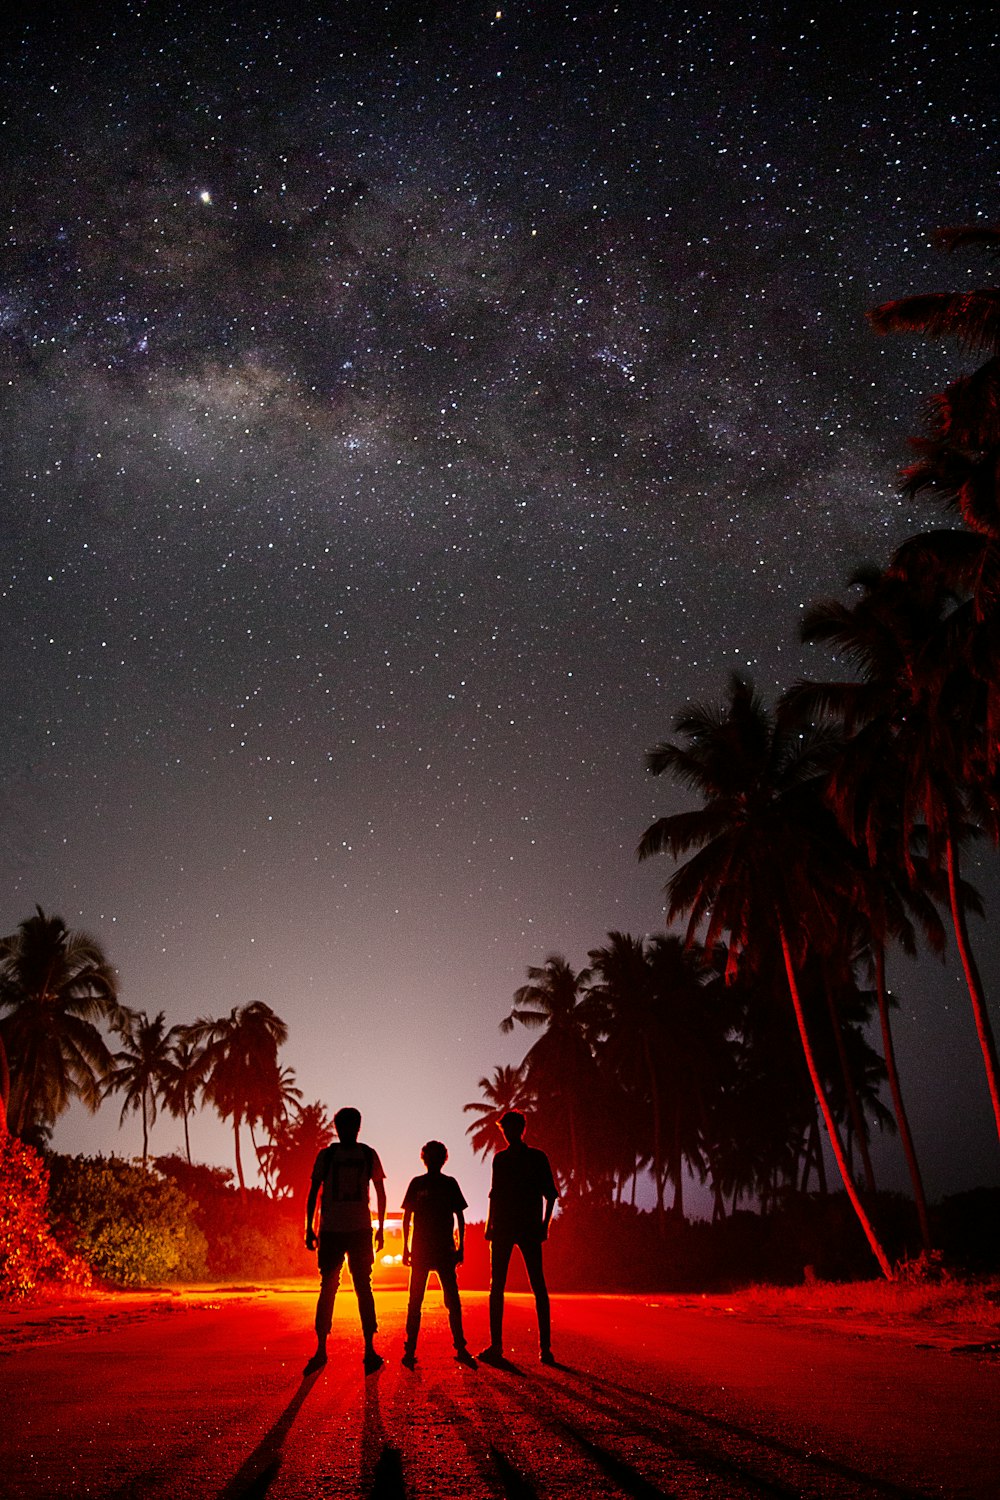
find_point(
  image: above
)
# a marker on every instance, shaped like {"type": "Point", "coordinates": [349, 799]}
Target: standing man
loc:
{"type": "Point", "coordinates": [435, 1206]}
{"type": "Point", "coordinates": [342, 1174]}
{"type": "Point", "coordinates": [522, 1196]}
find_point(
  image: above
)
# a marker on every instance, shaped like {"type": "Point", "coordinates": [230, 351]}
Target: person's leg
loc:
{"type": "Point", "coordinates": [531, 1250]}
{"type": "Point", "coordinates": [418, 1285]}
{"type": "Point", "coordinates": [453, 1302]}
{"type": "Point", "coordinates": [331, 1258]}
{"type": "Point", "coordinates": [360, 1258]}
{"type": "Point", "coordinates": [500, 1253]}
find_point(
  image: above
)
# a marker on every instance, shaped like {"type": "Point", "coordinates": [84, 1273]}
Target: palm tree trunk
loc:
{"type": "Point", "coordinates": [239, 1159]}
{"type": "Point", "coordinates": [145, 1132]}
{"type": "Point", "coordinates": [826, 1111]}
{"type": "Point", "coordinates": [850, 1092]}
{"type": "Point", "coordinates": [987, 1041]}
{"type": "Point", "coordinates": [899, 1109]}
{"type": "Point", "coordinates": [187, 1137]}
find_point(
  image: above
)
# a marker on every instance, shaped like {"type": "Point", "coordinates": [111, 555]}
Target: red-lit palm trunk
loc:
{"type": "Point", "coordinates": [827, 1113]}
{"type": "Point", "coordinates": [984, 1030]}
{"type": "Point", "coordinates": [239, 1158]}
{"type": "Point", "coordinates": [899, 1109]}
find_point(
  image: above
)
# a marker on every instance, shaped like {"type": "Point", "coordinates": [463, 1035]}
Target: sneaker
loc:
{"type": "Point", "coordinates": [547, 1357]}
{"type": "Point", "coordinates": [316, 1363]}
{"type": "Point", "coordinates": [491, 1355]}
{"type": "Point", "coordinates": [373, 1361]}
{"type": "Point", "coordinates": [409, 1359]}
{"type": "Point", "coordinates": [465, 1358]}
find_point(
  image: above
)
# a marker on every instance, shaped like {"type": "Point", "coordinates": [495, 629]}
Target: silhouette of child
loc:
{"type": "Point", "coordinates": [433, 1205]}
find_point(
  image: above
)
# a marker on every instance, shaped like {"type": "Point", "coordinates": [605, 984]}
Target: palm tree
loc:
{"type": "Point", "coordinates": [507, 1089]}
{"type": "Point", "coordinates": [182, 1075]}
{"type": "Point", "coordinates": [906, 756]}
{"type": "Point", "coordinates": [296, 1141]}
{"type": "Point", "coordinates": [560, 1065]}
{"type": "Point", "coordinates": [278, 1112]}
{"type": "Point", "coordinates": [139, 1067]}
{"type": "Point", "coordinates": [769, 855]}
{"type": "Point", "coordinates": [55, 985]}
{"type": "Point", "coordinates": [649, 1004]}
{"type": "Point", "coordinates": [242, 1078]}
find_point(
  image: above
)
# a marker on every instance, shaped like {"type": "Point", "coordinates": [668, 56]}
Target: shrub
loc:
{"type": "Point", "coordinates": [248, 1236]}
{"type": "Point", "coordinates": [134, 1227]}
{"type": "Point", "coordinates": [29, 1255]}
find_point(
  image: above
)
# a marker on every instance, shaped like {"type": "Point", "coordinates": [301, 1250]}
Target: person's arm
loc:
{"type": "Point", "coordinates": [460, 1252]}
{"type": "Point", "coordinates": [407, 1218]}
{"type": "Point", "coordinates": [310, 1213]}
{"type": "Point", "coordinates": [380, 1200]}
{"type": "Point", "coordinates": [549, 1195]}
{"type": "Point", "coordinates": [550, 1204]}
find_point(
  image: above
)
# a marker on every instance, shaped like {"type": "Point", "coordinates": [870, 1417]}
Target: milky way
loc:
{"type": "Point", "coordinates": [405, 413]}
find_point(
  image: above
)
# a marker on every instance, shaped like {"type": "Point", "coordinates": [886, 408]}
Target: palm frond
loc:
{"type": "Point", "coordinates": [972, 318]}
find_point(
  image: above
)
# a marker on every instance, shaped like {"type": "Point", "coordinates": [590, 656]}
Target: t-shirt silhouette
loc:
{"type": "Point", "coordinates": [433, 1199]}
{"type": "Point", "coordinates": [522, 1181]}
{"type": "Point", "coordinates": [344, 1171]}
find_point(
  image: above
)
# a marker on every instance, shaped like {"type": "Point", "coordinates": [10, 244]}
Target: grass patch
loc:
{"type": "Point", "coordinates": [945, 1301]}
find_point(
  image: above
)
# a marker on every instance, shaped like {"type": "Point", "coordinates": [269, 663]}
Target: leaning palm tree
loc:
{"type": "Point", "coordinates": [55, 986]}
{"type": "Point", "coordinates": [769, 857]}
{"type": "Point", "coordinates": [507, 1089]}
{"type": "Point", "coordinates": [139, 1067]}
{"type": "Point", "coordinates": [905, 764]}
{"type": "Point", "coordinates": [958, 464]}
{"type": "Point", "coordinates": [242, 1078]}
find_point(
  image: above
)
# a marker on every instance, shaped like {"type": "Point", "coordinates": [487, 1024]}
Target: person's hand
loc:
{"type": "Point", "coordinates": [460, 1255]}
{"type": "Point", "coordinates": [406, 1258]}
{"type": "Point", "coordinates": [310, 1240]}
{"type": "Point", "coordinates": [379, 1238]}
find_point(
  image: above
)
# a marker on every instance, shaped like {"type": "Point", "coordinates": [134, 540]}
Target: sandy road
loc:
{"type": "Point", "coordinates": [650, 1400]}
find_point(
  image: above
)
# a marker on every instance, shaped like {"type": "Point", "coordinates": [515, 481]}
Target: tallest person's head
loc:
{"type": "Point", "coordinates": [347, 1123]}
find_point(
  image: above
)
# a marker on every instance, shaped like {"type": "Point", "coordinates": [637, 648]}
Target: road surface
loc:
{"type": "Point", "coordinates": [650, 1399]}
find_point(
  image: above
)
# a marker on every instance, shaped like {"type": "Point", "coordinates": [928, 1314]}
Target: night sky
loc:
{"type": "Point", "coordinates": [406, 410]}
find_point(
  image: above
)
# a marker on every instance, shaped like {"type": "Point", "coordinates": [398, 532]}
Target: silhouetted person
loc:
{"type": "Point", "coordinates": [435, 1206]}
{"type": "Point", "coordinates": [522, 1196]}
{"type": "Point", "coordinates": [340, 1179]}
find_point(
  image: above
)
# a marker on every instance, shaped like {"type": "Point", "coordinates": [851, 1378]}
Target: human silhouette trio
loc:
{"type": "Point", "coordinates": [522, 1197]}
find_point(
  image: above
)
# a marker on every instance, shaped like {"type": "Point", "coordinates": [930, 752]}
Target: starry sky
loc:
{"type": "Point", "coordinates": [407, 408]}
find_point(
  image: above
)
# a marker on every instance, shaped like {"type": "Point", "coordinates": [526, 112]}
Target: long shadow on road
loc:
{"type": "Point", "coordinates": [255, 1476]}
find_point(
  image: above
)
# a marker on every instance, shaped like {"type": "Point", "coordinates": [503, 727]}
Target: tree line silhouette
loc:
{"type": "Point", "coordinates": [825, 831]}
{"type": "Point", "coordinates": [57, 989]}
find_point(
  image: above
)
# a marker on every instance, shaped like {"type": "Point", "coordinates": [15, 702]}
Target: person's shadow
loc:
{"type": "Point", "coordinates": [255, 1476]}
{"type": "Point", "coordinates": [381, 1476]}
